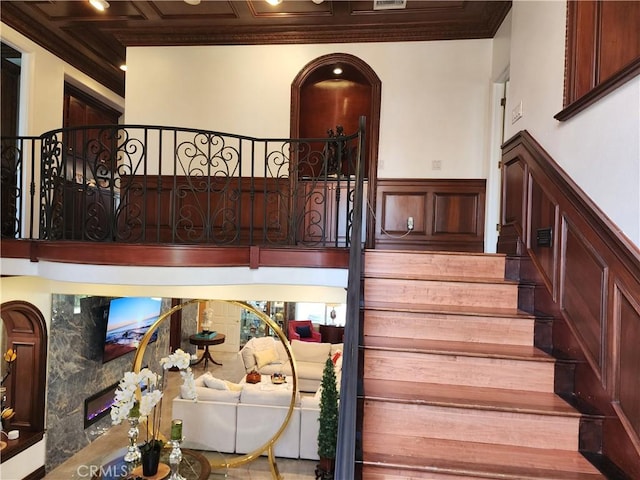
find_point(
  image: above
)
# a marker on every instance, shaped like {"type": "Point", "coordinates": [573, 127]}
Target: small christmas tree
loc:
{"type": "Point", "coordinates": [328, 432]}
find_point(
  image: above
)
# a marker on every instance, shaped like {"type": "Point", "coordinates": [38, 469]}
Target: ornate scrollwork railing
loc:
{"type": "Point", "coordinates": [148, 184]}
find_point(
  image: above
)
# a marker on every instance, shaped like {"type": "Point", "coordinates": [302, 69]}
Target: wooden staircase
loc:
{"type": "Point", "coordinates": [453, 386]}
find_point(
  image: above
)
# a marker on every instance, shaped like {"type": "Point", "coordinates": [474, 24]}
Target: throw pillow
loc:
{"type": "Point", "coordinates": [236, 387]}
{"type": "Point", "coordinates": [265, 357]}
{"type": "Point", "coordinates": [304, 331]}
{"type": "Point", "coordinates": [337, 360]}
{"type": "Point", "coordinates": [215, 383]}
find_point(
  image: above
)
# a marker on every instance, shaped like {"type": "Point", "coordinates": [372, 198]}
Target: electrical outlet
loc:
{"type": "Point", "coordinates": [436, 165]}
{"type": "Point", "coordinates": [410, 223]}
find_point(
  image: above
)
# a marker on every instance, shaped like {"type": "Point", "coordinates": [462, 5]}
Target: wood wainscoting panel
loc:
{"type": "Point", "coordinates": [448, 215]}
{"type": "Point", "coordinates": [543, 221]}
{"type": "Point", "coordinates": [583, 294]}
{"type": "Point", "coordinates": [628, 387]}
{"type": "Point", "coordinates": [596, 312]}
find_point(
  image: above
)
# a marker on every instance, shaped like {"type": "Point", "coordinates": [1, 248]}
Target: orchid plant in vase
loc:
{"type": "Point", "coordinates": [138, 397]}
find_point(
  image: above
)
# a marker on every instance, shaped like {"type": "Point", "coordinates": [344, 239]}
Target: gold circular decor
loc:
{"type": "Point", "coordinates": [269, 444]}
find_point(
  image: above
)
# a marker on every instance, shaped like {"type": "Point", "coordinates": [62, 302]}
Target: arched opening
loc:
{"type": "Point", "coordinates": [321, 100]}
{"type": "Point", "coordinates": [25, 331]}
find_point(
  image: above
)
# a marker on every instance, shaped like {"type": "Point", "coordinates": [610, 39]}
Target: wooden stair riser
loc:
{"type": "Point", "coordinates": [430, 265]}
{"type": "Point", "coordinates": [449, 327]}
{"type": "Point", "coordinates": [437, 292]}
{"type": "Point", "coordinates": [459, 370]}
{"type": "Point", "coordinates": [467, 424]}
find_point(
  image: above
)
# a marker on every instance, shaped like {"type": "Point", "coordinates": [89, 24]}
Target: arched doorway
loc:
{"type": "Point", "coordinates": [322, 99]}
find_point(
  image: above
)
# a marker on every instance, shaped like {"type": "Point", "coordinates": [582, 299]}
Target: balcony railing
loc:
{"type": "Point", "coordinates": [148, 184]}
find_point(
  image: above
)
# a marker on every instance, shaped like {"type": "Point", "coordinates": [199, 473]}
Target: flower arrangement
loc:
{"type": "Point", "coordinates": [182, 361]}
{"type": "Point", "coordinates": [139, 395]}
{"type": "Point", "coordinates": [6, 413]}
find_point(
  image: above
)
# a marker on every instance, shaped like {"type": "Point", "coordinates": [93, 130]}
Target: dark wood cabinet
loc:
{"type": "Point", "coordinates": [332, 333]}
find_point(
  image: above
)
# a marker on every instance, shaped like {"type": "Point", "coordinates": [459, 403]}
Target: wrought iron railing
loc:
{"type": "Point", "coordinates": [148, 184]}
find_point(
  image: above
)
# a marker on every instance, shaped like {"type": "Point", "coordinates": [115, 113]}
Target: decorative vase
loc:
{"type": "Point", "coordinates": [150, 461]}
{"type": "Point", "coordinates": [133, 452]}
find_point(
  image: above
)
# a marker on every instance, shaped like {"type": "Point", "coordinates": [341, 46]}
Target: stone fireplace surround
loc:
{"type": "Point", "coordinates": [76, 372]}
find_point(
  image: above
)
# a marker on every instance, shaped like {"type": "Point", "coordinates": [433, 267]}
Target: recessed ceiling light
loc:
{"type": "Point", "coordinates": [274, 2]}
{"type": "Point", "coordinates": [337, 71]}
{"type": "Point", "coordinates": [123, 67]}
{"type": "Point", "coordinates": [100, 5]}
{"type": "Point", "coordinates": [192, 2]}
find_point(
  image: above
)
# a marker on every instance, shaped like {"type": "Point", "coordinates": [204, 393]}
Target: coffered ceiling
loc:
{"type": "Point", "coordinates": [95, 42]}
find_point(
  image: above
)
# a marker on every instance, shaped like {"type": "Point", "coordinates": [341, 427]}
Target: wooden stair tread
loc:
{"type": "Point", "coordinates": [490, 461]}
{"type": "Point", "coordinates": [471, 349]}
{"type": "Point", "coordinates": [439, 278]}
{"type": "Point", "coordinates": [461, 396]}
{"type": "Point", "coordinates": [448, 309]}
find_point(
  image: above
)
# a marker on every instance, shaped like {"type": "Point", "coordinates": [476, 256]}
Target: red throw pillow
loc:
{"type": "Point", "coordinates": [336, 357]}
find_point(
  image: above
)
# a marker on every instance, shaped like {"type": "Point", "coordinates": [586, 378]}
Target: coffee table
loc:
{"type": "Point", "coordinates": [205, 342]}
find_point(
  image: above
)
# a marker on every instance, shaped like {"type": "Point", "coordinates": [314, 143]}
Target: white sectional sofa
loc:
{"type": "Point", "coordinates": [261, 411]}
{"type": "Point", "coordinates": [210, 422]}
{"type": "Point", "coordinates": [267, 355]}
{"type": "Point", "coordinates": [238, 418]}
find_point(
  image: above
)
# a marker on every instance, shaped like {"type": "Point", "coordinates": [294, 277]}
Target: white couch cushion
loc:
{"type": "Point", "coordinates": [214, 383]}
{"type": "Point", "coordinates": [310, 370]}
{"type": "Point", "coordinates": [210, 395]}
{"type": "Point", "coordinates": [310, 351]}
{"type": "Point", "coordinates": [255, 395]}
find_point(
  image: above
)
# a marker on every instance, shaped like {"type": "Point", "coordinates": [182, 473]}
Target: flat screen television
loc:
{"type": "Point", "coordinates": [128, 320]}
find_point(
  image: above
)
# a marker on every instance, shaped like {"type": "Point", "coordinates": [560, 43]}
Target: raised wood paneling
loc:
{"type": "Point", "coordinates": [628, 385]}
{"type": "Point", "coordinates": [447, 214]}
{"type": "Point", "coordinates": [583, 293]}
{"type": "Point", "coordinates": [593, 325]}
{"type": "Point", "coordinates": [603, 51]}
{"type": "Point", "coordinates": [513, 186]}
{"type": "Point", "coordinates": [204, 212]}
{"type": "Point", "coordinates": [544, 215]}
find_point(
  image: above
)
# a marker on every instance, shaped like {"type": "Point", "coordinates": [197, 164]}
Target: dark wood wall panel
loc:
{"type": "Point", "coordinates": [216, 211]}
{"type": "Point", "coordinates": [447, 214]}
{"type": "Point", "coordinates": [451, 214]}
{"type": "Point", "coordinates": [582, 295]}
{"type": "Point", "coordinates": [629, 380]}
{"type": "Point", "coordinates": [603, 51]}
{"type": "Point", "coordinates": [596, 321]}
{"type": "Point", "coordinates": [544, 215]}
{"type": "Point", "coordinates": [513, 185]}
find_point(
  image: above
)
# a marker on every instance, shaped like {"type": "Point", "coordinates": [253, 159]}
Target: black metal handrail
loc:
{"type": "Point", "coordinates": [350, 383]}
{"type": "Point", "coordinates": [151, 184]}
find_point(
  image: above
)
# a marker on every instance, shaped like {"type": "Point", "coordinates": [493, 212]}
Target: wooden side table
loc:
{"type": "Point", "coordinates": [205, 342]}
{"type": "Point", "coordinates": [332, 333]}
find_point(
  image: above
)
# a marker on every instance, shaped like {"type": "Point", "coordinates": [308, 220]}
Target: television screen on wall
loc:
{"type": "Point", "coordinates": [128, 320]}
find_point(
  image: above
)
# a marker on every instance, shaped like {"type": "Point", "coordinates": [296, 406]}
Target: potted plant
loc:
{"type": "Point", "coordinates": [328, 418]}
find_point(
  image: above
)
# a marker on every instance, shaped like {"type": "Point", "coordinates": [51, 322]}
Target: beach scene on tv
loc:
{"type": "Point", "coordinates": [128, 320]}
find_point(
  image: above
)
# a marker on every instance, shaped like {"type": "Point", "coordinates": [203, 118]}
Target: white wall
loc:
{"type": "Point", "coordinates": [434, 96]}
{"type": "Point", "coordinates": [600, 147]}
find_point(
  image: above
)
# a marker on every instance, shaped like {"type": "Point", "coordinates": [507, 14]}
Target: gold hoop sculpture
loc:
{"type": "Point", "coordinates": [269, 445]}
